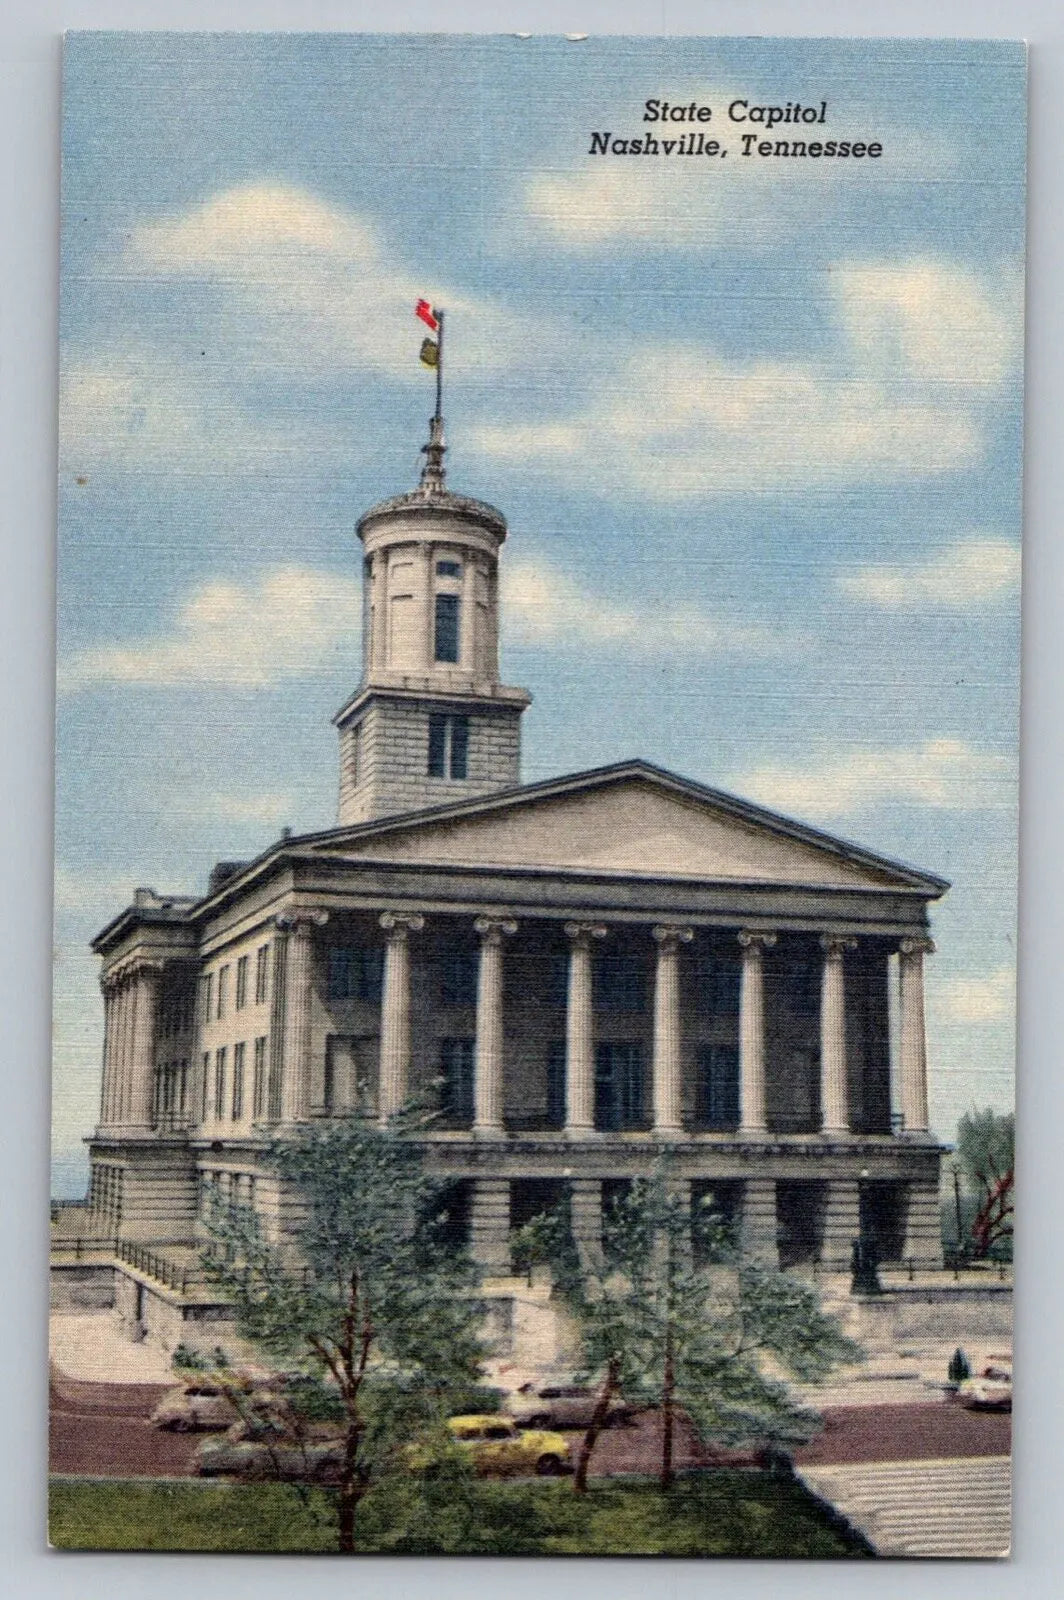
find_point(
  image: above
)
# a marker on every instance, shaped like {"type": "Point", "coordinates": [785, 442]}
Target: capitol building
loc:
{"type": "Point", "coordinates": [578, 973]}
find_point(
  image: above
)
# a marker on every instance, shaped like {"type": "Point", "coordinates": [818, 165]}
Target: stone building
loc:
{"type": "Point", "coordinates": [582, 970]}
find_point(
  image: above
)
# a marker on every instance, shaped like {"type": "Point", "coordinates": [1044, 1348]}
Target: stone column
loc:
{"type": "Point", "coordinates": [395, 1011]}
{"type": "Point", "coordinates": [842, 1223]}
{"type": "Point", "coordinates": [467, 620]}
{"type": "Point", "coordinates": [146, 979]}
{"type": "Point", "coordinates": [757, 1221]}
{"type": "Point", "coordinates": [834, 1083]}
{"type": "Point", "coordinates": [585, 1200]}
{"type": "Point", "coordinates": [121, 1048]}
{"type": "Point", "coordinates": [110, 1005]}
{"type": "Point", "coordinates": [298, 926]}
{"type": "Point", "coordinates": [580, 1031]}
{"type": "Point", "coordinates": [668, 1120]}
{"type": "Point", "coordinates": [913, 1039]}
{"type": "Point", "coordinates": [426, 596]}
{"type": "Point", "coordinates": [489, 1226]}
{"type": "Point", "coordinates": [488, 1058]}
{"type": "Point", "coordinates": [379, 603]}
{"type": "Point", "coordinates": [752, 1118]}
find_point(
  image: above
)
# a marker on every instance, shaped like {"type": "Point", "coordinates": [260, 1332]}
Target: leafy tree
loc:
{"type": "Point", "coordinates": [679, 1320]}
{"type": "Point", "coordinates": [368, 1295]}
{"type": "Point", "coordinates": [986, 1150]}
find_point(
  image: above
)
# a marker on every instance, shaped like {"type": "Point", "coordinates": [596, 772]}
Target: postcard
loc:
{"type": "Point", "coordinates": [539, 563]}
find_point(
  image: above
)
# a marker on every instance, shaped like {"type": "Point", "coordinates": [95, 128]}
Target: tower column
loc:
{"type": "Point", "coordinates": [426, 592]}
{"type": "Point", "coordinates": [580, 1031]}
{"type": "Point", "coordinates": [488, 1056]}
{"type": "Point", "coordinates": [753, 1120]}
{"type": "Point", "coordinates": [295, 1052]}
{"type": "Point", "coordinates": [913, 1041]}
{"type": "Point", "coordinates": [395, 1011]}
{"type": "Point", "coordinates": [834, 1083]}
{"type": "Point", "coordinates": [668, 1119]}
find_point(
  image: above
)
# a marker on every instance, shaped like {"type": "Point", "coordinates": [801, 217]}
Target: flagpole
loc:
{"type": "Point", "coordinates": [439, 369]}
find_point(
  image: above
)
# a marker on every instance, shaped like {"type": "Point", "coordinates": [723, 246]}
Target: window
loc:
{"type": "Point", "coordinates": [802, 979]}
{"type": "Point", "coordinates": [262, 957]}
{"type": "Point", "coordinates": [620, 983]}
{"type": "Point", "coordinates": [458, 978]}
{"type": "Point", "coordinates": [355, 974]}
{"type": "Point", "coordinates": [448, 746]}
{"type": "Point", "coordinates": [258, 1079]}
{"type": "Point", "coordinates": [206, 1084]}
{"type": "Point", "coordinates": [618, 1086]}
{"type": "Point", "coordinates": [239, 1051]}
{"type": "Point", "coordinates": [447, 614]}
{"type": "Point", "coordinates": [718, 1087]}
{"type": "Point", "coordinates": [556, 1083]}
{"type": "Point", "coordinates": [456, 1070]}
{"type": "Point", "coordinates": [223, 990]}
{"type": "Point", "coordinates": [449, 569]}
{"type": "Point", "coordinates": [556, 981]}
{"type": "Point", "coordinates": [718, 987]}
{"type": "Point", "coordinates": [242, 983]}
{"type": "Point", "coordinates": [354, 754]}
{"type": "Point", "coordinates": [219, 1083]}
{"type": "Point", "coordinates": [207, 982]}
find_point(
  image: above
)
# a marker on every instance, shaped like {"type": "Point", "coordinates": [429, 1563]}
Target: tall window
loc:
{"type": "Point", "coordinates": [448, 746]}
{"type": "Point", "coordinates": [718, 1087]}
{"type": "Point", "coordinates": [718, 986]}
{"type": "Point", "coordinates": [618, 1085]}
{"type": "Point", "coordinates": [620, 983]}
{"type": "Point", "coordinates": [556, 1083]}
{"type": "Point", "coordinates": [458, 978]}
{"type": "Point", "coordinates": [242, 982]}
{"type": "Point", "coordinates": [355, 974]}
{"type": "Point", "coordinates": [223, 990]}
{"type": "Point", "coordinates": [219, 1083]}
{"type": "Point", "coordinates": [262, 979]}
{"type": "Point", "coordinates": [258, 1079]}
{"type": "Point", "coordinates": [206, 1086]}
{"type": "Point", "coordinates": [447, 619]}
{"type": "Point", "coordinates": [449, 569]}
{"type": "Point", "coordinates": [207, 986]}
{"type": "Point", "coordinates": [456, 1071]}
{"type": "Point", "coordinates": [239, 1051]}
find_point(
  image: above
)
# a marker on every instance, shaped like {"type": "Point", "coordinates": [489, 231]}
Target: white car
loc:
{"type": "Point", "coordinates": [990, 1389]}
{"type": "Point", "coordinates": [195, 1405]}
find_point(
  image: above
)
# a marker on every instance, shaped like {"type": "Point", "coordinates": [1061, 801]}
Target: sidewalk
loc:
{"type": "Point", "coordinates": [91, 1347]}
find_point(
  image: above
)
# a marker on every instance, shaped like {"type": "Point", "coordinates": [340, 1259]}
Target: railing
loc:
{"type": "Point", "coordinates": [911, 1266]}
{"type": "Point", "coordinates": [155, 1265]}
{"type": "Point", "coordinates": [82, 1245]}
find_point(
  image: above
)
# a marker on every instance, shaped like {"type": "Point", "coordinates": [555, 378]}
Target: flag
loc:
{"type": "Point", "coordinates": [427, 315]}
{"type": "Point", "coordinates": [429, 355]}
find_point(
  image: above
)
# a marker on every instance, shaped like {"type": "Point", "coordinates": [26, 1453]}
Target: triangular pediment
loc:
{"type": "Point", "coordinates": [633, 820]}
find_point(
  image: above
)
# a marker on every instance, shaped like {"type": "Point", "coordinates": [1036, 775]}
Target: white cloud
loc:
{"type": "Point", "coordinates": [290, 622]}
{"type": "Point", "coordinates": [265, 809]}
{"type": "Point", "coordinates": [987, 998]}
{"type": "Point", "coordinates": [665, 204]}
{"type": "Point", "coordinates": [945, 774]}
{"type": "Point", "coordinates": [895, 399]}
{"type": "Point", "coordinates": [542, 605]}
{"type": "Point", "coordinates": [972, 572]}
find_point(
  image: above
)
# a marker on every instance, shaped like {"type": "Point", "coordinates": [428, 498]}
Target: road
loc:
{"type": "Point", "coordinates": [102, 1430]}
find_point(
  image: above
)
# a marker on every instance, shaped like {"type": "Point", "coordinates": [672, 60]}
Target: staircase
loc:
{"type": "Point", "coordinates": [957, 1508]}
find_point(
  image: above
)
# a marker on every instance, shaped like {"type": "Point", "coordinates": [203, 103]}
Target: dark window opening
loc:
{"type": "Point", "coordinates": [437, 746]}
{"type": "Point", "coordinates": [718, 987]}
{"type": "Point", "coordinates": [620, 983]}
{"type": "Point", "coordinates": [355, 974]}
{"type": "Point", "coordinates": [458, 978]}
{"type": "Point", "coordinates": [449, 569]}
{"type": "Point", "coordinates": [456, 1073]}
{"type": "Point", "coordinates": [447, 616]}
{"type": "Point", "coordinates": [448, 746]}
{"type": "Point", "coordinates": [618, 1086]}
{"type": "Point", "coordinates": [718, 1087]}
{"type": "Point", "coordinates": [459, 747]}
{"type": "Point", "coordinates": [556, 1083]}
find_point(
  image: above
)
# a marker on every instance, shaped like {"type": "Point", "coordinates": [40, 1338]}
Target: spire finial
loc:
{"type": "Point", "coordinates": [433, 472]}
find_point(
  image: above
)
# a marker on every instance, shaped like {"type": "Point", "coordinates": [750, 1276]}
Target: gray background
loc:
{"type": "Point", "coordinates": [29, 140]}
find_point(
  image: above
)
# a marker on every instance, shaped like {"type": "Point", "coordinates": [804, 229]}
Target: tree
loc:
{"type": "Point", "coordinates": [986, 1150]}
{"type": "Point", "coordinates": [368, 1295]}
{"type": "Point", "coordinates": [672, 1316]}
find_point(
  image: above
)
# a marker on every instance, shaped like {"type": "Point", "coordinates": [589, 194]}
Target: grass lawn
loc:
{"type": "Point", "coordinates": [712, 1514]}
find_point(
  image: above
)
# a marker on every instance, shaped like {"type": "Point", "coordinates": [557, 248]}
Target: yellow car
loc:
{"type": "Point", "coordinates": [494, 1444]}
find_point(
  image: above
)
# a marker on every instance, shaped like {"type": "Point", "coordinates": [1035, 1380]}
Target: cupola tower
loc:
{"type": "Point", "coordinates": [430, 721]}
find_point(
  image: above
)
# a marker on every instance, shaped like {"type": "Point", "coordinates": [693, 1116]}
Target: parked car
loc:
{"type": "Point", "coordinates": [562, 1405]}
{"type": "Point", "coordinates": [496, 1445]}
{"type": "Point", "coordinates": [264, 1447]}
{"type": "Point", "coordinates": [990, 1389]}
{"type": "Point", "coordinates": [198, 1403]}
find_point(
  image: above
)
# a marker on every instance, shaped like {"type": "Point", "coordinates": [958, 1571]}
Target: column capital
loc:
{"type": "Point", "coordinates": [670, 936]}
{"type": "Point", "coordinates": [398, 925]}
{"type": "Point", "coordinates": [301, 923]}
{"type": "Point", "coordinates": [131, 970]}
{"type": "Point", "coordinates": [759, 939]}
{"type": "Point", "coordinates": [922, 946]}
{"type": "Point", "coordinates": [584, 932]}
{"type": "Point", "coordinates": [836, 945]}
{"type": "Point", "coordinates": [493, 930]}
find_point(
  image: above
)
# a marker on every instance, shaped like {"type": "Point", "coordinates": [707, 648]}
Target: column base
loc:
{"type": "Point", "coordinates": [489, 1226]}
{"type": "Point", "coordinates": [573, 1130]}
{"type": "Point", "coordinates": [757, 1226]}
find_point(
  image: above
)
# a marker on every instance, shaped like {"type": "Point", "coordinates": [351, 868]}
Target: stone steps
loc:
{"type": "Point", "coordinates": [954, 1508]}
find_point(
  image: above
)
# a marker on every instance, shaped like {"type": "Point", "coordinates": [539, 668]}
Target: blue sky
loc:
{"type": "Point", "coordinates": [755, 425]}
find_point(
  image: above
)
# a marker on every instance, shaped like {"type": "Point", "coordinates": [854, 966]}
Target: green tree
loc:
{"type": "Point", "coordinates": [986, 1151]}
{"type": "Point", "coordinates": [670, 1314]}
{"type": "Point", "coordinates": [367, 1295]}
